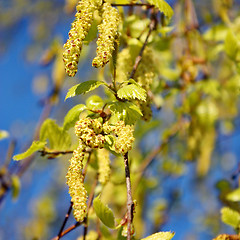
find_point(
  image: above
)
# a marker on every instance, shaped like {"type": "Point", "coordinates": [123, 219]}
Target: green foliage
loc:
{"type": "Point", "coordinates": [94, 102]}
{"type": "Point", "coordinates": [83, 88]}
{"type": "Point", "coordinates": [163, 7]}
{"type": "Point", "coordinates": [57, 137]}
{"type": "Point", "coordinates": [104, 213]}
{"type": "Point", "coordinates": [132, 91]}
{"type": "Point", "coordinates": [72, 116]}
{"type": "Point", "coordinates": [230, 217]}
{"type": "Point", "coordinates": [126, 111]}
{"type": "Point", "coordinates": [36, 146]}
{"type": "Point", "coordinates": [160, 236]}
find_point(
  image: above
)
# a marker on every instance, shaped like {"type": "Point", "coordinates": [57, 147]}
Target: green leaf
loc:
{"type": "Point", "coordinates": [36, 145]}
{"type": "Point", "coordinates": [16, 185]}
{"type": "Point", "coordinates": [83, 88]}
{"type": "Point", "coordinates": [72, 116]}
{"type": "Point", "coordinates": [234, 196]}
{"type": "Point", "coordinates": [160, 236]}
{"type": "Point", "coordinates": [231, 45]}
{"type": "Point", "coordinates": [126, 111]}
{"type": "Point", "coordinates": [132, 91]}
{"type": "Point", "coordinates": [163, 7]}
{"type": "Point", "coordinates": [230, 217]}
{"type": "Point", "coordinates": [3, 134]}
{"type": "Point", "coordinates": [58, 138]}
{"type": "Point", "coordinates": [94, 102]}
{"type": "Point", "coordinates": [104, 213]}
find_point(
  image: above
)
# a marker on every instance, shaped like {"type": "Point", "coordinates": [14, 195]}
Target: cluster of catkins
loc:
{"type": "Point", "coordinates": [108, 34]}
{"type": "Point", "coordinates": [144, 75]}
{"type": "Point", "coordinates": [91, 134]}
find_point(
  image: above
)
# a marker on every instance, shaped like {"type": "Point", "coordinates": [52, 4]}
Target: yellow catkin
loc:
{"type": "Point", "coordinates": [79, 30]}
{"type": "Point", "coordinates": [108, 35]}
{"type": "Point", "coordinates": [124, 136]}
{"type": "Point", "coordinates": [89, 133]}
{"type": "Point", "coordinates": [75, 179]}
{"type": "Point", "coordinates": [104, 169]}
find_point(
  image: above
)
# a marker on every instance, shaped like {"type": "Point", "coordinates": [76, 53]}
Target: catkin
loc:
{"type": "Point", "coordinates": [75, 179]}
{"type": "Point", "coordinates": [124, 136]}
{"type": "Point", "coordinates": [103, 165]}
{"type": "Point", "coordinates": [78, 32]}
{"type": "Point", "coordinates": [108, 35]}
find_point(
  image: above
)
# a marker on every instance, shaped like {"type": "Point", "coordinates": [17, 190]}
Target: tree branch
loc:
{"type": "Point", "coordinates": [140, 55]}
{"type": "Point", "coordinates": [132, 5]}
{"type": "Point", "coordinates": [65, 221]}
{"type": "Point", "coordinates": [129, 197]}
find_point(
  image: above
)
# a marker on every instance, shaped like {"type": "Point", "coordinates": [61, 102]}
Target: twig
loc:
{"type": "Point", "coordinates": [45, 152]}
{"type": "Point", "coordinates": [65, 221]}
{"type": "Point", "coordinates": [139, 57]}
{"type": "Point", "coordinates": [68, 230]}
{"type": "Point", "coordinates": [129, 197]}
{"type": "Point", "coordinates": [132, 5]}
{"type": "Point", "coordinates": [88, 207]}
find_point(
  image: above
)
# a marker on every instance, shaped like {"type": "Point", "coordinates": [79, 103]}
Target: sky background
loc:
{"type": "Point", "coordinates": [20, 109]}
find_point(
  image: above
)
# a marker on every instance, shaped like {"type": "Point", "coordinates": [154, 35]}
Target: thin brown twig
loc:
{"type": "Point", "coordinates": [132, 5]}
{"type": "Point", "coordinates": [91, 196]}
{"type": "Point", "coordinates": [65, 221]}
{"type": "Point", "coordinates": [140, 55]}
{"type": "Point", "coordinates": [129, 197]}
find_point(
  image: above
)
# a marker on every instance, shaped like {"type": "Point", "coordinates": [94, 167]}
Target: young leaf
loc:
{"type": "Point", "coordinates": [58, 138]}
{"type": "Point", "coordinates": [83, 88]}
{"type": "Point", "coordinates": [160, 236]}
{"type": "Point", "coordinates": [231, 45]}
{"type": "Point", "coordinates": [163, 7]}
{"type": "Point", "coordinates": [234, 195]}
{"type": "Point", "coordinates": [16, 184]}
{"type": "Point", "coordinates": [126, 111]}
{"type": "Point", "coordinates": [104, 213]}
{"type": "Point", "coordinates": [36, 145]}
{"type": "Point", "coordinates": [230, 217]}
{"type": "Point", "coordinates": [94, 102]}
{"type": "Point", "coordinates": [132, 91]}
{"type": "Point", "coordinates": [72, 116]}
{"type": "Point", "coordinates": [3, 134]}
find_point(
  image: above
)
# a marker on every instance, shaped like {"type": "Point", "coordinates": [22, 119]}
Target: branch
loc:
{"type": "Point", "coordinates": [140, 55]}
{"type": "Point", "coordinates": [65, 221]}
{"type": "Point", "coordinates": [77, 224]}
{"type": "Point", "coordinates": [90, 201]}
{"type": "Point", "coordinates": [54, 153]}
{"type": "Point", "coordinates": [129, 197]}
{"type": "Point", "coordinates": [132, 5]}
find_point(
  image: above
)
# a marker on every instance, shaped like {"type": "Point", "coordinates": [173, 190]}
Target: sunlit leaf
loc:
{"type": "Point", "coordinates": [104, 213]}
{"type": "Point", "coordinates": [72, 116]}
{"type": "Point", "coordinates": [16, 185]}
{"type": "Point", "coordinates": [126, 111]}
{"type": "Point", "coordinates": [36, 146]}
{"type": "Point", "coordinates": [3, 134]}
{"type": "Point", "coordinates": [58, 138]}
{"type": "Point", "coordinates": [83, 88]}
{"type": "Point", "coordinates": [163, 7]}
{"type": "Point", "coordinates": [230, 217]}
{"type": "Point", "coordinates": [160, 236]}
{"type": "Point", "coordinates": [94, 102]}
{"type": "Point", "coordinates": [234, 195]}
{"type": "Point", "coordinates": [132, 91]}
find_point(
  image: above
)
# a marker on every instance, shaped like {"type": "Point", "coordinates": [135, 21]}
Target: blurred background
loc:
{"type": "Point", "coordinates": [32, 87]}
